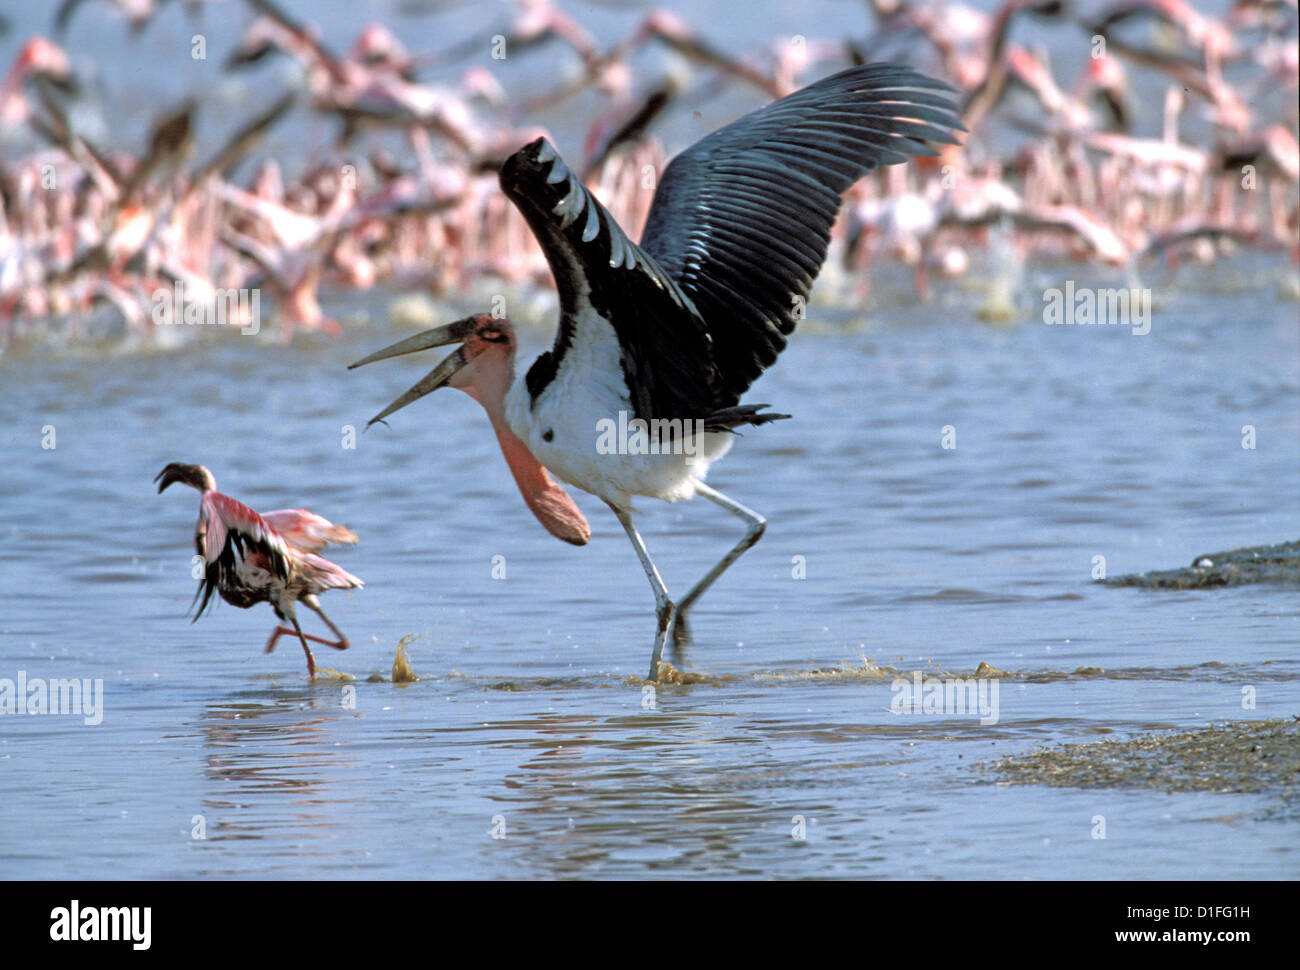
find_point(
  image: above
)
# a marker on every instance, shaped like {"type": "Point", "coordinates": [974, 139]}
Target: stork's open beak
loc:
{"type": "Point", "coordinates": [452, 333]}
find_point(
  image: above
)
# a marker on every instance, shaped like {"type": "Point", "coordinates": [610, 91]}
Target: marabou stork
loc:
{"type": "Point", "coordinates": [677, 328]}
{"type": "Point", "coordinates": [250, 558]}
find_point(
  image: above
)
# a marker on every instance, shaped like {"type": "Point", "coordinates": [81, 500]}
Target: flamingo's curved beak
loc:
{"type": "Point", "coordinates": [168, 476]}
{"type": "Point", "coordinates": [452, 333]}
{"type": "Point", "coordinates": [195, 476]}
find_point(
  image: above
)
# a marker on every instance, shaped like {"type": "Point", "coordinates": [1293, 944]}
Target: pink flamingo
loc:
{"type": "Point", "coordinates": [38, 58]}
{"type": "Point", "coordinates": [250, 558]}
{"type": "Point", "coordinates": [370, 84]}
{"type": "Point", "coordinates": [675, 32]}
{"type": "Point", "coordinates": [137, 12]}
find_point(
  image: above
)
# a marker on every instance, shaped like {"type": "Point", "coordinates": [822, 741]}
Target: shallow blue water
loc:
{"type": "Point", "coordinates": [531, 721]}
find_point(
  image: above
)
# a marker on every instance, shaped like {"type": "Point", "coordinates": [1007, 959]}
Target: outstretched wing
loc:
{"type": "Point", "coordinates": [233, 541]}
{"type": "Point", "coordinates": [307, 531]}
{"type": "Point", "coordinates": [741, 220]}
{"type": "Point", "coordinates": [604, 279]}
{"type": "Point", "coordinates": [321, 574]}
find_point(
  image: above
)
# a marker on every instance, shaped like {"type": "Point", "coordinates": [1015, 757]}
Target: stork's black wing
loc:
{"type": "Point", "coordinates": [742, 219]}
{"type": "Point", "coordinates": [665, 347]}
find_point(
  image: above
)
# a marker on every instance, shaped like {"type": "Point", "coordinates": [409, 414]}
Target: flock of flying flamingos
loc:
{"type": "Point", "coordinates": [112, 228]}
{"type": "Point", "coordinates": [672, 329]}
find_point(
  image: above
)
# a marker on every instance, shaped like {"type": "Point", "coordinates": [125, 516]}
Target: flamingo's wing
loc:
{"type": "Point", "coordinates": [323, 574]}
{"type": "Point", "coordinates": [307, 531]}
{"type": "Point", "coordinates": [233, 539]}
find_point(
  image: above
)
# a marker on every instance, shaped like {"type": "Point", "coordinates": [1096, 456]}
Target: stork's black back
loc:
{"type": "Point", "coordinates": [736, 235]}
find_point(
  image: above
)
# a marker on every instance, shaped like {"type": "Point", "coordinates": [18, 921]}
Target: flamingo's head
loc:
{"type": "Point", "coordinates": [40, 56]}
{"type": "Point", "coordinates": [482, 366]}
{"type": "Point", "coordinates": [195, 476]}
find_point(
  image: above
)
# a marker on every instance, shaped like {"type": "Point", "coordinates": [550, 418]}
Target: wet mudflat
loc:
{"type": "Point", "coordinates": [1275, 563]}
{"type": "Point", "coordinates": [1246, 756]}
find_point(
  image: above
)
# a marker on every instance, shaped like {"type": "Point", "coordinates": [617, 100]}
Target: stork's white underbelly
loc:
{"type": "Point", "coordinates": [581, 428]}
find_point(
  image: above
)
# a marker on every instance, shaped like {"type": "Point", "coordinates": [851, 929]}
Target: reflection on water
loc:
{"type": "Point", "coordinates": [529, 746]}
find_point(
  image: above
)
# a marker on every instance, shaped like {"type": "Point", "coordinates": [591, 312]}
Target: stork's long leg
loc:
{"type": "Point", "coordinates": [664, 609]}
{"type": "Point", "coordinates": [755, 532]}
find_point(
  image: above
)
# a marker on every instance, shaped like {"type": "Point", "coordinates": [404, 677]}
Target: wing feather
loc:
{"type": "Point", "coordinates": [666, 358]}
{"type": "Point", "coordinates": [229, 533]}
{"type": "Point", "coordinates": [737, 232]}
{"type": "Point", "coordinates": [732, 211]}
{"type": "Point", "coordinates": [306, 531]}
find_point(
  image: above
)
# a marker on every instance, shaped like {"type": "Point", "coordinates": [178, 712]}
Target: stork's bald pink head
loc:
{"type": "Point", "coordinates": [483, 367]}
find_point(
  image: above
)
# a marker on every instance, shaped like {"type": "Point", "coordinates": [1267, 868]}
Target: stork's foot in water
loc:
{"type": "Point", "coordinates": [665, 613]}
{"type": "Point", "coordinates": [668, 674]}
